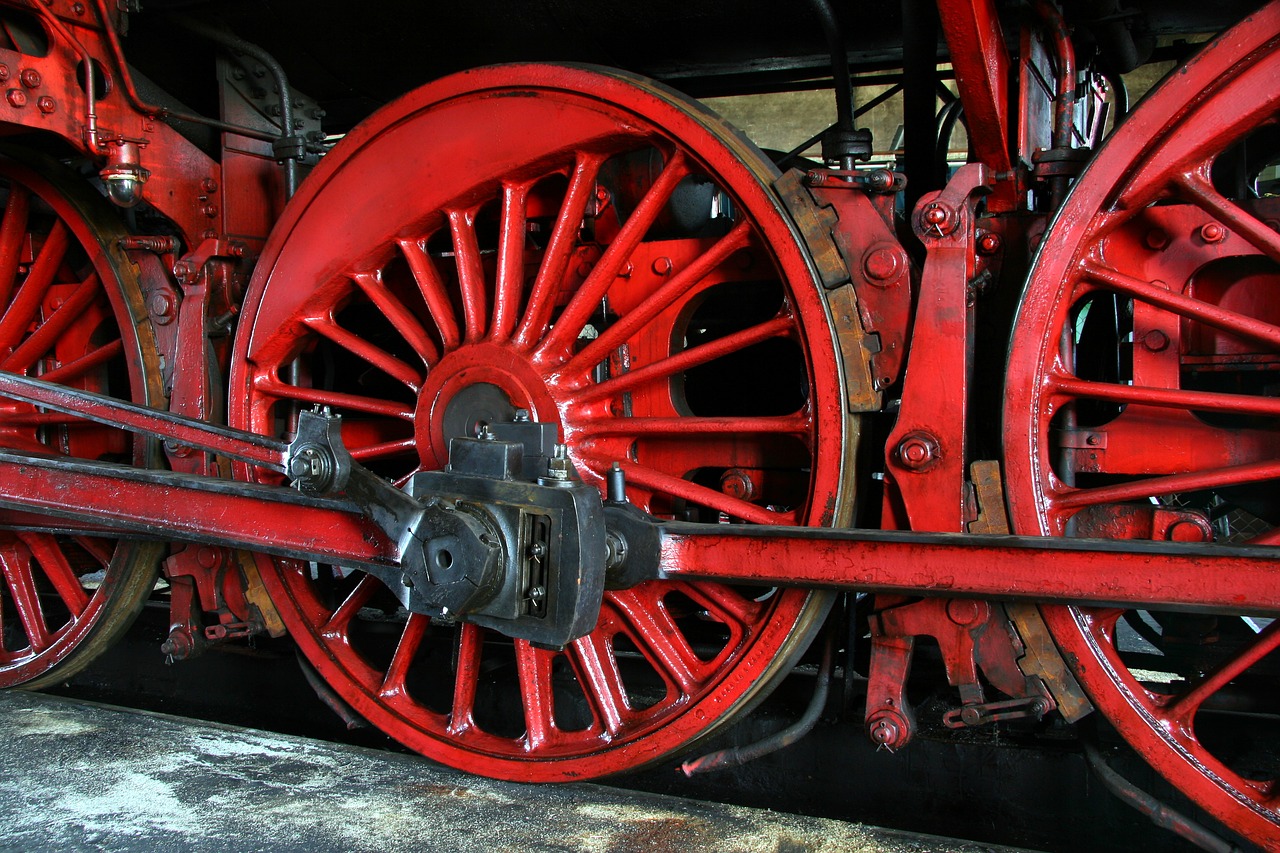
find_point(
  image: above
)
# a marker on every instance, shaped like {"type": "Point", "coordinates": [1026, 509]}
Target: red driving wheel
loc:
{"type": "Point", "coordinates": [596, 251]}
{"type": "Point", "coordinates": [1140, 397]}
{"type": "Point", "coordinates": [70, 302]}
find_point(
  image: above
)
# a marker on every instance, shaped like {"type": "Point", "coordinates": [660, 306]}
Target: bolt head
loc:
{"type": "Point", "coordinates": [662, 266]}
{"type": "Point", "coordinates": [29, 78]}
{"type": "Point", "coordinates": [1155, 341]}
{"type": "Point", "coordinates": [917, 451]}
{"type": "Point", "coordinates": [738, 484]}
{"type": "Point", "coordinates": [16, 98]}
{"type": "Point", "coordinates": [884, 733]}
{"type": "Point", "coordinates": [1212, 232]}
{"type": "Point", "coordinates": [989, 243]}
{"type": "Point", "coordinates": [46, 104]}
{"type": "Point", "coordinates": [883, 263]}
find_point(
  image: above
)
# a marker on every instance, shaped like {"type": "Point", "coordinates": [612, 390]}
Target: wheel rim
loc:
{"type": "Point", "coordinates": [68, 317]}
{"type": "Point", "coordinates": [1093, 439]}
{"type": "Point", "coordinates": [460, 286]}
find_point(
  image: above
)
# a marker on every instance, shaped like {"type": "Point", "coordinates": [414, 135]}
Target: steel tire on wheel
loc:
{"type": "Point", "coordinates": [506, 239]}
{"type": "Point", "coordinates": [1157, 239]}
{"type": "Point", "coordinates": [73, 313]}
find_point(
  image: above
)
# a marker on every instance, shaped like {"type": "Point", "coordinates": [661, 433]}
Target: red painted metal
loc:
{"type": "Point", "coordinates": [981, 62]}
{"type": "Point", "coordinates": [495, 300]}
{"type": "Point", "coordinates": [1193, 271]}
{"type": "Point", "coordinates": [926, 454]}
{"type": "Point", "coordinates": [1240, 581]}
{"type": "Point", "coordinates": [503, 240]}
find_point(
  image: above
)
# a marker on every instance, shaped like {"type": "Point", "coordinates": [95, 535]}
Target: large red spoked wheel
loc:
{"type": "Point", "coordinates": [1142, 400]}
{"type": "Point", "coordinates": [587, 247]}
{"type": "Point", "coordinates": [70, 313]}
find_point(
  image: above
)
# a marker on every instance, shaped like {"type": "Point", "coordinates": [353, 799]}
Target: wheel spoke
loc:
{"type": "Point", "coordinates": [433, 290]}
{"type": "Point", "coordinates": [731, 606]}
{"type": "Point", "coordinates": [586, 299]}
{"type": "Point", "coordinates": [15, 566]}
{"type": "Point", "coordinates": [509, 284]}
{"type": "Point", "coordinates": [695, 427]}
{"type": "Point", "coordinates": [57, 570]}
{"type": "Point", "coordinates": [47, 334]}
{"type": "Point", "coordinates": [355, 402]}
{"type": "Point", "coordinates": [466, 255]}
{"type": "Point", "coordinates": [383, 449]}
{"type": "Point", "coordinates": [22, 310]}
{"type": "Point", "coordinates": [372, 285]}
{"type": "Point", "coordinates": [1197, 188]}
{"type": "Point", "coordinates": [657, 481]}
{"type": "Point", "coordinates": [598, 673]}
{"type": "Point", "coordinates": [682, 361]}
{"type": "Point", "coordinates": [657, 634]}
{"type": "Point", "coordinates": [659, 300]}
{"type": "Point", "coordinates": [338, 625]}
{"type": "Point", "coordinates": [1202, 312]}
{"type": "Point", "coordinates": [1187, 705]}
{"type": "Point", "coordinates": [92, 360]}
{"type": "Point", "coordinates": [13, 229]}
{"type": "Point", "coordinates": [560, 248]}
{"type": "Point", "coordinates": [534, 668]}
{"type": "Point", "coordinates": [395, 368]}
{"type": "Point", "coordinates": [95, 548]}
{"type": "Point", "coordinates": [1170, 398]}
{"type": "Point", "coordinates": [410, 640]}
{"type": "Point", "coordinates": [467, 677]}
{"type": "Point", "coordinates": [1167, 485]}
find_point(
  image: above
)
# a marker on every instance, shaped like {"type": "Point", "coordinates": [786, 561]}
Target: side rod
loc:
{"type": "Point", "coordinates": [1128, 573]}
{"type": "Point", "coordinates": [365, 525]}
{"type": "Point", "coordinates": [102, 497]}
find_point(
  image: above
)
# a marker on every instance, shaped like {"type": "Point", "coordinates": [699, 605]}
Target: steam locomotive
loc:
{"type": "Point", "coordinates": [553, 419]}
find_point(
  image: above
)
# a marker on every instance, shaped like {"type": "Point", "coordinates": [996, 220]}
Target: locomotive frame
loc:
{"type": "Point", "coordinates": [481, 417]}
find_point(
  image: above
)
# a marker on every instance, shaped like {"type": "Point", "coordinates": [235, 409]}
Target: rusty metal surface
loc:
{"type": "Point", "coordinates": [78, 776]}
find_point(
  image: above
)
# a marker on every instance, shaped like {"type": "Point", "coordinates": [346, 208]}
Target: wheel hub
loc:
{"type": "Point", "coordinates": [481, 384]}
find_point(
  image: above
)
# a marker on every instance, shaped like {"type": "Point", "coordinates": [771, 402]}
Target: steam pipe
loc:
{"type": "Point", "coordinates": [277, 72]}
{"type": "Point", "coordinates": [839, 63]}
{"type": "Point", "coordinates": [90, 97]}
{"type": "Point", "coordinates": [131, 92]}
{"type": "Point", "coordinates": [1064, 106]}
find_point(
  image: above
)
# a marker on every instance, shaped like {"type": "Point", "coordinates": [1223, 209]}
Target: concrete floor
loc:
{"type": "Point", "coordinates": [79, 776]}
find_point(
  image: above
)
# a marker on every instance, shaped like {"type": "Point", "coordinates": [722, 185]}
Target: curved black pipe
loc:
{"type": "Point", "coordinates": [839, 63]}
{"type": "Point", "coordinates": [726, 758]}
